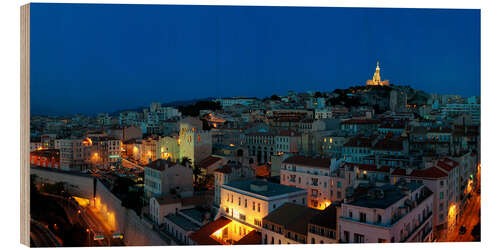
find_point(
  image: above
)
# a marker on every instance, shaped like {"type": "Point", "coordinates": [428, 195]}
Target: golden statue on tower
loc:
{"type": "Point", "coordinates": [376, 80]}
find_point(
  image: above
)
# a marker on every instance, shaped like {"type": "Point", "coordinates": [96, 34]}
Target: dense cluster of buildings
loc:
{"type": "Point", "coordinates": [376, 163]}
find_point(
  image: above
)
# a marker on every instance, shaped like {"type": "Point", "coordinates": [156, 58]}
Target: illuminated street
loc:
{"type": "Point", "coordinates": [469, 218]}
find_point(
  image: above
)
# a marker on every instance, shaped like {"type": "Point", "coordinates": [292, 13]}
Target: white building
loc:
{"type": "Point", "coordinates": [163, 177]}
{"type": "Point", "coordinates": [229, 173]}
{"type": "Point", "coordinates": [249, 201]}
{"type": "Point", "coordinates": [227, 102]}
{"type": "Point", "coordinates": [311, 174]}
{"type": "Point", "coordinates": [390, 213]}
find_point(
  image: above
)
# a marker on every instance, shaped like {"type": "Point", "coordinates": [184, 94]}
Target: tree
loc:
{"type": "Point", "coordinates": [476, 232]}
{"type": "Point", "coordinates": [275, 98]}
{"type": "Point", "coordinates": [194, 109]}
{"type": "Point", "coordinates": [196, 169]}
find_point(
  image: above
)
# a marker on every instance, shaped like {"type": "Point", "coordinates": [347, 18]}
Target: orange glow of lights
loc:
{"type": "Point", "coordinates": [81, 201]}
{"type": "Point", "coordinates": [469, 185]}
{"type": "Point", "coordinates": [452, 211]}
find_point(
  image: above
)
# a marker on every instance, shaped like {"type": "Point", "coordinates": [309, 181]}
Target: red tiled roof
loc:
{"type": "Point", "coordinates": [202, 236]}
{"type": "Point", "coordinates": [308, 161]}
{"type": "Point", "coordinates": [252, 238]}
{"type": "Point", "coordinates": [432, 173]}
{"type": "Point", "coordinates": [428, 173]}
{"type": "Point", "coordinates": [160, 164]}
{"type": "Point", "coordinates": [205, 163]}
{"type": "Point", "coordinates": [194, 200]}
{"type": "Point", "coordinates": [262, 171]}
{"type": "Point", "coordinates": [447, 164]}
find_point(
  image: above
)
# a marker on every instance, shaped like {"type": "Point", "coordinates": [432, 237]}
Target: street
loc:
{"type": "Point", "coordinates": [41, 236]}
{"type": "Point", "coordinates": [470, 216]}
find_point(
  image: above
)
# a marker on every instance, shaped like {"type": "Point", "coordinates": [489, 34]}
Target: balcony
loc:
{"type": "Point", "coordinates": [419, 227]}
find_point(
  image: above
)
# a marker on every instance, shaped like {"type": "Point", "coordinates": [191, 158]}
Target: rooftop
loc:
{"type": "Point", "coordinates": [202, 236]}
{"type": "Point", "coordinates": [210, 160]}
{"type": "Point", "coordinates": [252, 238]}
{"type": "Point", "coordinates": [273, 189]}
{"type": "Point", "coordinates": [182, 222]}
{"type": "Point", "coordinates": [391, 195]}
{"type": "Point", "coordinates": [326, 218]}
{"type": "Point", "coordinates": [292, 217]}
{"type": "Point", "coordinates": [196, 214]}
{"type": "Point", "coordinates": [308, 161]}
{"type": "Point", "coordinates": [161, 164]}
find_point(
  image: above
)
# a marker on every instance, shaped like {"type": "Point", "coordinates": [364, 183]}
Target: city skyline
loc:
{"type": "Point", "coordinates": [172, 53]}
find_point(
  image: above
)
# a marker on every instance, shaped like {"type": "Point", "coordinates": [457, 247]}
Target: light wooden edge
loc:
{"type": "Point", "coordinates": [25, 124]}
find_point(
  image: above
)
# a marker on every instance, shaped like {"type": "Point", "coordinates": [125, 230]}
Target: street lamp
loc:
{"type": "Point", "coordinates": [88, 231]}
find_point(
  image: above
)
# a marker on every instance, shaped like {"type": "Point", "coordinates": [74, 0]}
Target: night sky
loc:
{"type": "Point", "coordinates": [103, 58]}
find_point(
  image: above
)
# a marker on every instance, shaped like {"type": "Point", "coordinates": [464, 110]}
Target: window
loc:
{"type": "Point", "coordinates": [339, 184]}
{"type": "Point", "coordinates": [258, 207]}
{"type": "Point", "coordinates": [257, 222]}
{"type": "Point", "coordinates": [379, 218]}
{"type": "Point", "coordinates": [339, 194]}
{"type": "Point", "coordinates": [350, 214]}
{"type": "Point", "coordinates": [313, 241]}
{"type": "Point", "coordinates": [441, 195]}
{"type": "Point", "coordinates": [362, 217]}
{"type": "Point", "coordinates": [359, 238]}
{"type": "Point", "coordinates": [245, 203]}
{"type": "Point", "coordinates": [243, 217]}
{"type": "Point", "coordinates": [239, 201]}
{"type": "Point", "coordinates": [253, 205]}
{"type": "Point", "coordinates": [346, 236]}
{"type": "Point", "coordinates": [314, 181]}
{"type": "Point", "coordinates": [314, 193]}
{"type": "Point", "coordinates": [231, 198]}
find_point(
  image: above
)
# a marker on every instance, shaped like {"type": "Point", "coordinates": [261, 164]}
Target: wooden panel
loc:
{"type": "Point", "coordinates": [25, 124]}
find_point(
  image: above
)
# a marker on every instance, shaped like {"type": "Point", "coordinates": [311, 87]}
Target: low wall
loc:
{"type": "Point", "coordinates": [81, 185]}
{"type": "Point", "coordinates": [123, 220]}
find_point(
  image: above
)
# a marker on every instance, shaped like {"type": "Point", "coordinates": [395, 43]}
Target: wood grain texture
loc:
{"type": "Point", "coordinates": [25, 124]}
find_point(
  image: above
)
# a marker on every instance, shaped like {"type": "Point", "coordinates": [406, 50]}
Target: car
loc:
{"type": "Point", "coordinates": [462, 230]}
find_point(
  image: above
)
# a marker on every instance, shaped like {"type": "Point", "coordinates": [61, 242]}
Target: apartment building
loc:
{"type": "Point", "coordinates": [310, 174]}
{"type": "Point", "coordinates": [390, 213]}
{"type": "Point", "coordinates": [163, 177]}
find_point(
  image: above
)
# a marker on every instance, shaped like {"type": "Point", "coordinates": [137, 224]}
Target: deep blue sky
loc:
{"type": "Point", "coordinates": [101, 58]}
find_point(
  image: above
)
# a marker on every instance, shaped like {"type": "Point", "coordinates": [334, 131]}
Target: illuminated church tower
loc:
{"type": "Point", "coordinates": [376, 80]}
